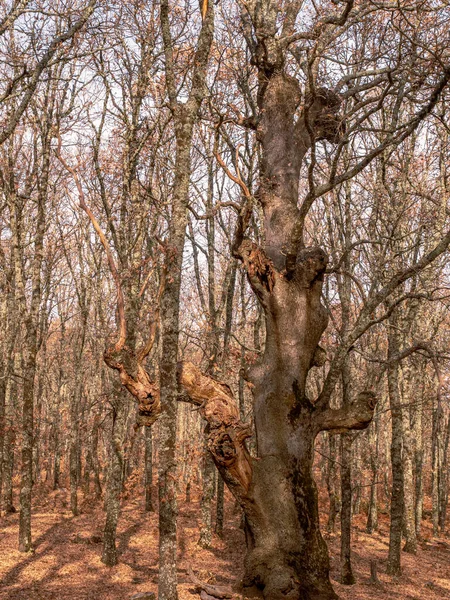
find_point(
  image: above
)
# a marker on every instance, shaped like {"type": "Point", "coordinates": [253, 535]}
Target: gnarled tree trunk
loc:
{"type": "Point", "coordinates": [287, 556]}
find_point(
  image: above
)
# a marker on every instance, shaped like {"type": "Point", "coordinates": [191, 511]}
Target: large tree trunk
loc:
{"type": "Point", "coordinates": [287, 556]}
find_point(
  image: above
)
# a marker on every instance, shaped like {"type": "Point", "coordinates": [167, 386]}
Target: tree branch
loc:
{"type": "Point", "coordinates": [42, 64]}
{"type": "Point", "coordinates": [111, 262]}
{"type": "Point", "coordinates": [356, 415]}
{"type": "Point", "coordinates": [227, 433]}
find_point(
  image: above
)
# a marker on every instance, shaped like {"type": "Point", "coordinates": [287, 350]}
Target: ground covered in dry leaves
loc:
{"type": "Point", "coordinates": [66, 562]}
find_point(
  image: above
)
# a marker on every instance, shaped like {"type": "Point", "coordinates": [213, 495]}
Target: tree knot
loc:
{"type": "Point", "coordinates": [311, 266]}
{"type": "Point", "coordinates": [259, 267]}
{"type": "Point", "coordinates": [322, 108]}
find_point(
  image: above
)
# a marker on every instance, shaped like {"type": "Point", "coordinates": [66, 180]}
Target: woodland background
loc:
{"type": "Point", "coordinates": [83, 102]}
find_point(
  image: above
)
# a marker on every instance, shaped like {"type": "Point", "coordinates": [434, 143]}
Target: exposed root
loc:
{"type": "Point", "coordinates": [212, 591]}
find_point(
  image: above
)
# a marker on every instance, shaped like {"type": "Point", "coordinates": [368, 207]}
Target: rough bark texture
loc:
{"type": "Point", "coordinates": [372, 516]}
{"type": "Point", "coordinates": [135, 378]}
{"type": "Point", "coordinates": [10, 437]}
{"type": "Point", "coordinates": [332, 484]}
{"type": "Point", "coordinates": [208, 473]}
{"type": "Point", "coordinates": [274, 556]}
{"type": "Point", "coordinates": [395, 538]}
{"type": "Point", "coordinates": [408, 471]}
{"type": "Point", "coordinates": [115, 476]}
{"type": "Point", "coordinates": [148, 470]}
{"type": "Point", "coordinates": [185, 115]}
{"type": "Point", "coordinates": [287, 556]}
{"type": "Point", "coordinates": [226, 433]}
{"type": "Point", "coordinates": [219, 508]}
{"type": "Point", "coordinates": [347, 576]}
{"type": "Point", "coordinates": [74, 439]}
{"type": "Point", "coordinates": [30, 354]}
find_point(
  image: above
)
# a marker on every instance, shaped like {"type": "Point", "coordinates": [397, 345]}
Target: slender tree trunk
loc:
{"type": "Point", "coordinates": [10, 437]}
{"type": "Point", "coordinates": [88, 468]}
{"type": "Point", "coordinates": [37, 441]}
{"type": "Point", "coordinates": [418, 464]}
{"type": "Point", "coordinates": [408, 465]}
{"type": "Point", "coordinates": [74, 439]}
{"type": "Point", "coordinates": [209, 469]}
{"type": "Point", "coordinates": [148, 461]}
{"type": "Point", "coordinates": [372, 516]}
{"type": "Point", "coordinates": [347, 576]}
{"type": "Point", "coordinates": [185, 115]}
{"type": "Point", "coordinates": [435, 465]}
{"type": "Point", "coordinates": [356, 479]}
{"type": "Point", "coordinates": [30, 361]}
{"type": "Point", "coordinates": [95, 460]}
{"type": "Point", "coordinates": [220, 506]}
{"type": "Point", "coordinates": [27, 450]}
{"type": "Point", "coordinates": [8, 387]}
{"type": "Point", "coordinates": [2, 424]}
{"type": "Point", "coordinates": [395, 537]}
{"type": "Point", "coordinates": [114, 478]}
{"type": "Point", "coordinates": [208, 473]}
{"type": "Point", "coordinates": [331, 482]}
{"type": "Point", "coordinates": [443, 479]}
{"type": "Point", "coordinates": [4, 374]}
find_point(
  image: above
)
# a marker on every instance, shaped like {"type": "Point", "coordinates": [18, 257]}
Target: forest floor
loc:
{"type": "Point", "coordinates": [65, 564]}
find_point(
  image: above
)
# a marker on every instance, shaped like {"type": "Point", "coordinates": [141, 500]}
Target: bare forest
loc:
{"type": "Point", "coordinates": [224, 339]}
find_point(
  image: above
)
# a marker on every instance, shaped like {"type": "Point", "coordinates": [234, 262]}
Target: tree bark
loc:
{"type": "Point", "coordinates": [395, 535]}
{"type": "Point", "coordinates": [372, 514]}
{"type": "Point", "coordinates": [31, 346]}
{"type": "Point", "coordinates": [185, 115]}
{"type": "Point", "coordinates": [208, 481]}
{"type": "Point", "coordinates": [115, 476]}
{"type": "Point", "coordinates": [332, 484]}
{"type": "Point", "coordinates": [220, 506]}
{"type": "Point", "coordinates": [10, 436]}
{"type": "Point", "coordinates": [408, 467]}
{"type": "Point", "coordinates": [347, 576]}
{"type": "Point", "coordinates": [418, 463]}
{"type": "Point", "coordinates": [148, 468]}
